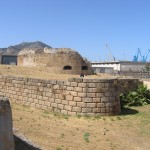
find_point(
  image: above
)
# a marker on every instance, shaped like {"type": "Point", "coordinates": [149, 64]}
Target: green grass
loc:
{"type": "Point", "coordinates": [86, 137]}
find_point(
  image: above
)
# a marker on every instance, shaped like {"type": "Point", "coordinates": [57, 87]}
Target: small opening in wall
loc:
{"type": "Point", "coordinates": [67, 68]}
{"type": "Point", "coordinates": [84, 67]}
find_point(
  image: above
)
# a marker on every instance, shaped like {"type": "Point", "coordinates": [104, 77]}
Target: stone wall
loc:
{"type": "Point", "coordinates": [76, 96]}
{"type": "Point", "coordinates": [55, 61]}
{"type": "Point", "coordinates": [6, 133]}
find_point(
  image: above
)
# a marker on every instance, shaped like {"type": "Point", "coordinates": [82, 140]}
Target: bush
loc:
{"type": "Point", "coordinates": [139, 97]}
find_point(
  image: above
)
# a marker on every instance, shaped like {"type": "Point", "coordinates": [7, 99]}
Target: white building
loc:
{"type": "Point", "coordinates": [118, 66]}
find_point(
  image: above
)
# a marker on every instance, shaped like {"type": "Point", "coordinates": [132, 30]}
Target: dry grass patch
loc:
{"type": "Point", "coordinates": [31, 72]}
{"type": "Point", "coordinates": [58, 132]}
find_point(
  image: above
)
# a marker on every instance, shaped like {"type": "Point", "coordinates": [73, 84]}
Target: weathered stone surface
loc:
{"type": "Point", "coordinates": [6, 133]}
{"type": "Point", "coordinates": [76, 109]}
{"type": "Point", "coordinates": [91, 105]}
{"type": "Point", "coordinates": [87, 99]}
{"type": "Point", "coordinates": [72, 103]}
{"type": "Point", "coordinates": [82, 94]}
{"type": "Point", "coordinates": [81, 104]}
{"type": "Point", "coordinates": [93, 96]}
{"type": "Point", "coordinates": [86, 110]}
{"type": "Point", "coordinates": [77, 99]}
{"type": "Point", "coordinates": [82, 85]}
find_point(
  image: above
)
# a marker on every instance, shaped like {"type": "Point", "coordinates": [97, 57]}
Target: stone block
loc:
{"type": "Point", "coordinates": [45, 98]}
{"type": "Point", "coordinates": [76, 109]}
{"type": "Point", "coordinates": [41, 102]}
{"type": "Point", "coordinates": [108, 94]}
{"type": "Point", "coordinates": [86, 110]}
{"type": "Point", "coordinates": [91, 105]}
{"type": "Point", "coordinates": [44, 107]}
{"type": "Point", "coordinates": [73, 93]}
{"type": "Point", "coordinates": [72, 113]}
{"type": "Point", "coordinates": [81, 94]}
{"type": "Point", "coordinates": [71, 79]}
{"type": "Point", "coordinates": [69, 97]}
{"type": "Point", "coordinates": [69, 108]}
{"type": "Point", "coordinates": [98, 100]}
{"type": "Point", "coordinates": [72, 103]}
{"type": "Point", "coordinates": [91, 95]}
{"type": "Point", "coordinates": [51, 100]}
{"type": "Point", "coordinates": [38, 106]}
{"type": "Point", "coordinates": [47, 103]}
{"type": "Point", "coordinates": [34, 96]}
{"type": "Point", "coordinates": [78, 79]}
{"type": "Point", "coordinates": [58, 101]}
{"type": "Point", "coordinates": [78, 89]}
{"type": "Point", "coordinates": [77, 99]}
{"type": "Point", "coordinates": [103, 110]}
{"type": "Point", "coordinates": [91, 85]}
{"type": "Point", "coordinates": [101, 85]}
{"type": "Point", "coordinates": [70, 88]}
{"type": "Point", "coordinates": [100, 95]}
{"type": "Point", "coordinates": [74, 84]}
{"type": "Point", "coordinates": [96, 110]}
{"type": "Point", "coordinates": [104, 99]}
{"type": "Point", "coordinates": [40, 97]}
{"type": "Point", "coordinates": [65, 102]}
{"type": "Point", "coordinates": [81, 104]}
{"type": "Point", "coordinates": [100, 105]}
{"type": "Point", "coordinates": [24, 98]}
{"type": "Point", "coordinates": [30, 100]}
{"type": "Point", "coordinates": [61, 106]}
{"type": "Point", "coordinates": [111, 99]}
{"type": "Point", "coordinates": [54, 105]}
{"type": "Point", "coordinates": [56, 87]}
{"type": "Point", "coordinates": [64, 112]}
{"type": "Point", "coordinates": [87, 99]}
{"type": "Point", "coordinates": [83, 85]}
{"type": "Point", "coordinates": [36, 101]}
{"type": "Point", "coordinates": [32, 105]}
{"type": "Point", "coordinates": [67, 83]}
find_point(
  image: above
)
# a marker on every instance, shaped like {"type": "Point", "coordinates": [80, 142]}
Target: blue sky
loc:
{"type": "Point", "coordinates": [83, 25]}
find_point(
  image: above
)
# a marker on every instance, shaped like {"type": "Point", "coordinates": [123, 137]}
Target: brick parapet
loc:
{"type": "Point", "coordinates": [72, 97]}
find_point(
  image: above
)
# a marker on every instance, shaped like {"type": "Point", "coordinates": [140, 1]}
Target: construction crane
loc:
{"type": "Point", "coordinates": [135, 57]}
{"type": "Point", "coordinates": [143, 58]}
{"type": "Point", "coordinates": [110, 56]}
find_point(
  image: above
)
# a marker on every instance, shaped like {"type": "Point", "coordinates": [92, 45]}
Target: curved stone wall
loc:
{"type": "Point", "coordinates": [76, 96]}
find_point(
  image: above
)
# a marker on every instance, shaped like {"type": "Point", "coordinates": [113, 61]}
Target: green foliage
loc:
{"type": "Point", "coordinates": [139, 97]}
{"type": "Point", "coordinates": [86, 137]}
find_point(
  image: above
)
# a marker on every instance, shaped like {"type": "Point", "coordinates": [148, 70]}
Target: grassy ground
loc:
{"type": "Point", "coordinates": [128, 131]}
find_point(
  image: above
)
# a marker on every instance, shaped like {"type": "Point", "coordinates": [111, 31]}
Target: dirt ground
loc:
{"type": "Point", "coordinates": [128, 131]}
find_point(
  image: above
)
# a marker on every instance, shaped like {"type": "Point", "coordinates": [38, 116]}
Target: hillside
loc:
{"type": "Point", "coordinates": [17, 48]}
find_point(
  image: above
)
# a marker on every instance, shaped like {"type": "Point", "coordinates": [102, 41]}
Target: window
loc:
{"type": "Point", "coordinates": [67, 68]}
{"type": "Point", "coordinates": [84, 67]}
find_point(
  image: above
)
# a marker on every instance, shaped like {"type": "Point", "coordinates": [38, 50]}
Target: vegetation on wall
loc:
{"type": "Point", "coordinates": [138, 97]}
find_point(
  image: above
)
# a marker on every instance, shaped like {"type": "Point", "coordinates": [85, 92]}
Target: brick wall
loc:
{"type": "Point", "coordinates": [76, 96]}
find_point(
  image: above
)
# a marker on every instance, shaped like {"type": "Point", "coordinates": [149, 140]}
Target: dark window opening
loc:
{"type": "Point", "coordinates": [84, 67]}
{"type": "Point", "coordinates": [67, 68]}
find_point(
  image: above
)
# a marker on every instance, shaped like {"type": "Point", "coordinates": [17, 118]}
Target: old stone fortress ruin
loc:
{"type": "Point", "coordinates": [77, 96]}
{"type": "Point", "coordinates": [40, 55]}
{"type": "Point", "coordinates": [73, 97]}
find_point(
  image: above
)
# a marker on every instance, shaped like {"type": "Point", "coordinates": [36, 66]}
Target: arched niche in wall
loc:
{"type": "Point", "coordinates": [67, 68]}
{"type": "Point", "coordinates": [84, 67]}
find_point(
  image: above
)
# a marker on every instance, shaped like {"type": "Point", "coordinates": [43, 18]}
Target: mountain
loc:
{"type": "Point", "coordinates": [14, 50]}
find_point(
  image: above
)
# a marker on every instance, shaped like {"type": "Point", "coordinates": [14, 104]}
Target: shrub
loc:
{"type": "Point", "coordinates": [139, 97]}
